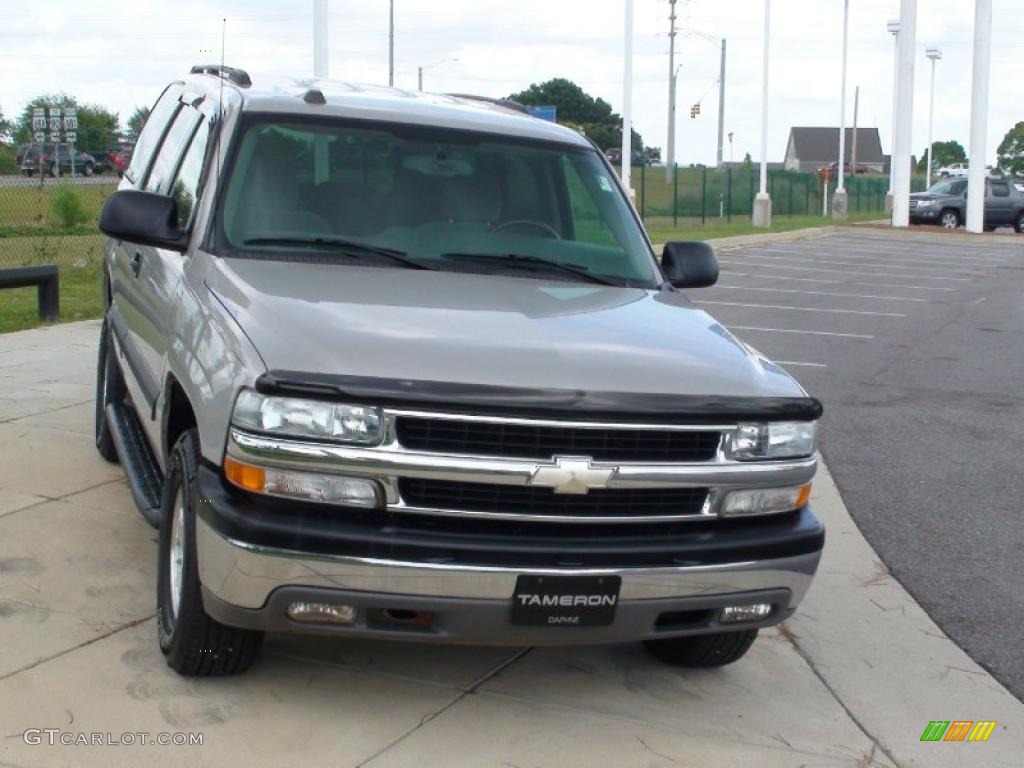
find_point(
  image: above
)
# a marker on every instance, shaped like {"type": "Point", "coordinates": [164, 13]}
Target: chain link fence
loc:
{"type": "Point", "coordinates": [47, 220]}
{"type": "Point", "coordinates": [681, 196]}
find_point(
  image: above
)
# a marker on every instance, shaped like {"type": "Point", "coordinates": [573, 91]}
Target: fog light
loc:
{"type": "Point", "coordinates": [752, 612]}
{"type": "Point", "coordinates": [326, 613]}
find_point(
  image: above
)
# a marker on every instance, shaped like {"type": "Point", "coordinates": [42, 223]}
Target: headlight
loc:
{"type": "Point", "coordinates": [925, 203]}
{"type": "Point", "coordinates": [780, 440]}
{"type": "Point", "coordinates": [315, 419]}
{"type": "Point", "coordinates": [765, 501]}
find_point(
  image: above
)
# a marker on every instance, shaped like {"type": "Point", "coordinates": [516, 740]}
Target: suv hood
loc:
{"type": "Point", "coordinates": [487, 330]}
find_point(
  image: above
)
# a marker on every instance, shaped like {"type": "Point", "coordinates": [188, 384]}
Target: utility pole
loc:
{"type": "Point", "coordinates": [839, 198]}
{"type": "Point", "coordinates": [627, 99]}
{"type": "Point", "coordinates": [419, 78]}
{"type": "Point", "coordinates": [670, 144]}
{"type": "Point", "coordinates": [979, 114]}
{"type": "Point", "coordinates": [721, 104]}
{"type": "Point", "coordinates": [904, 115]}
{"type": "Point", "coordinates": [762, 214]}
{"type": "Point", "coordinates": [853, 138]}
{"type": "Point", "coordinates": [391, 44]}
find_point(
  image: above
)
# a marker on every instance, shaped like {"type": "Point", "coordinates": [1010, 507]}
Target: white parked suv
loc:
{"type": "Point", "coordinates": [955, 170]}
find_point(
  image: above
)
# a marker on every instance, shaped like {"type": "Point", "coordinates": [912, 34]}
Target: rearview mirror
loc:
{"type": "Point", "coordinates": [689, 264]}
{"type": "Point", "coordinates": [145, 218]}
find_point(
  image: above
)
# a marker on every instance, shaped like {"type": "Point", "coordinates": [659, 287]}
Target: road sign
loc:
{"type": "Point", "coordinates": [71, 120]}
{"type": "Point", "coordinates": [70, 137]}
{"type": "Point", "coordinates": [39, 137]}
{"type": "Point", "coordinates": [39, 119]}
{"type": "Point", "coordinates": [547, 112]}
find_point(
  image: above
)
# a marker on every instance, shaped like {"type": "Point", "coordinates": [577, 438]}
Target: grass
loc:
{"type": "Point", "coordinates": [662, 231]}
{"type": "Point", "coordinates": [80, 284]}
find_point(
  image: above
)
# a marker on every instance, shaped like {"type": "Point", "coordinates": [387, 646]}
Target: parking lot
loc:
{"type": "Point", "coordinates": [915, 344]}
{"type": "Point", "coordinates": [852, 680]}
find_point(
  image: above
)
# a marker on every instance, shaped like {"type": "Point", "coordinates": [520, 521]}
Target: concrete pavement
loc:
{"type": "Point", "coordinates": [852, 680]}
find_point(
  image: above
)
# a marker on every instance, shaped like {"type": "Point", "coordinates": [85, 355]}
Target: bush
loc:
{"type": "Point", "coordinates": [68, 207]}
{"type": "Point", "coordinates": [7, 164]}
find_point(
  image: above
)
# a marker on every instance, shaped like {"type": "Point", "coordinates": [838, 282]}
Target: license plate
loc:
{"type": "Point", "coordinates": [565, 601]}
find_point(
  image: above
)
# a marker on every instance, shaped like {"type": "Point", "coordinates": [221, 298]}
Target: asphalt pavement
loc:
{"type": "Point", "coordinates": [914, 342]}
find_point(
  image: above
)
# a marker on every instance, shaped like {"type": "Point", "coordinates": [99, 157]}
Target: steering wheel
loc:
{"type": "Point", "coordinates": [546, 228]}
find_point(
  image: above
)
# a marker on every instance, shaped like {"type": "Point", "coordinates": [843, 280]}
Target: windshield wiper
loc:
{"type": "Point", "coordinates": [515, 259]}
{"type": "Point", "coordinates": [350, 247]}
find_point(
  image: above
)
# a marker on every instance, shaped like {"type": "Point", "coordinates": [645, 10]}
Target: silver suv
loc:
{"type": "Point", "coordinates": [404, 366]}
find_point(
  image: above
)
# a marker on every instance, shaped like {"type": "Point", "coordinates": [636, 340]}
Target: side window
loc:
{"type": "Point", "coordinates": [186, 184]}
{"type": "Point", "coordinates": [154, 128]}
{"type": "Point", "coordinates": [160, 175]}
{"type": "Point", "coordinates": [589, 223]}
{"type": "Point", "coordinates": [1000, 189]}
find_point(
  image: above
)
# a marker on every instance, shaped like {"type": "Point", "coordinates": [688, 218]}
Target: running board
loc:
{"type": "Point", "coordinates": [145, 479]}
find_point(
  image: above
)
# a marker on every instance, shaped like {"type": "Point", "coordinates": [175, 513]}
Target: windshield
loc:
{"type": "Point", "coordinates": [437, 196]}
{"type": "Point", "coordinates": [948, 187]}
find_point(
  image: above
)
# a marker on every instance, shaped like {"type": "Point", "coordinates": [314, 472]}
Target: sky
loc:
{"type": "Point", "coordinates": [121, 53]}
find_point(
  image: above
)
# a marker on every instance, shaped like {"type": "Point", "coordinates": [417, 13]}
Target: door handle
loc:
{"type": "Point", "coordinates": [136, 263]}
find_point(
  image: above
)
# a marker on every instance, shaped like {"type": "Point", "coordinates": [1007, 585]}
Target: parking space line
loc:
{"type": "Point", "coordinates": [853, 260]}
{"type": "Point", "coordinates": [947, 258]}
{"type": "Point", "coordinates": [793, 362]}
{"type": "Point", "coordinates": [795, 330]}
{"type": "Point", "coordinates": [848, 271]}
{"type": "Point", "coordinates": [820, 293]}
{"type": "Point", "coordinates": [800, 309]}
{"type": "Point", "coordinates": [838, 282]}
{"type": "Point", "coordinates": [870, 266]}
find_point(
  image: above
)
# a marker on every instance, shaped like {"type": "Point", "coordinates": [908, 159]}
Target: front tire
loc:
{"type": "Point", "coordinates": [110, 388]}
{"type": "Point", "coordinates": [88, 170]}
{"type": "Point", "coordinates": [949, 219]}
{"type": "Point", "coordinates": [714, 650]}
{"type": "Point", "coordinates": [1018, 225]}
{"type": "Point", "coordinates": [194, 644]}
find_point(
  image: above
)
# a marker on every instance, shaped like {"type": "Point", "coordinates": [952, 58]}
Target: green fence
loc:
{"type": "Point", "coordinates": [684, 195]}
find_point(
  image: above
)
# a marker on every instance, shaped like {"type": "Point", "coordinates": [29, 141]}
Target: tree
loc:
{"type": "Point", "coordinates": [5, 128]}
{"type": "Point", "coordinates": [578, 109]}
{"type": "Point", "coordinates": [135, 123]}
{"type": "Point", "coordinates": [98, 127]}
{"type": "Point", "coordinates": [1011, 151]}
{"type": "Point", "coordinates": [943, 153]}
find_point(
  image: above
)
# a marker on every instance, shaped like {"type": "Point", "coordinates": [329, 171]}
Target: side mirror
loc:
{"type": "Point", "coordinates": [689, 264]}
{"type": "Point", "coordinates": [145, 218]}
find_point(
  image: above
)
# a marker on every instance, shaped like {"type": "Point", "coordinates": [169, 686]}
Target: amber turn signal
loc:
{"type": "Point", "coordinates": [244, 475]}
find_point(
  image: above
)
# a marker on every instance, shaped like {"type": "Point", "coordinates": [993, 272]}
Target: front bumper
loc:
{"type": "Point", "coordinates": [257, 558]}
{"type": "Point", "coordinates": [924, 215]}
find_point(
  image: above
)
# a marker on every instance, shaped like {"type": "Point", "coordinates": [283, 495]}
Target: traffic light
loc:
{"type": "Point", "coordinates": [695, 110]}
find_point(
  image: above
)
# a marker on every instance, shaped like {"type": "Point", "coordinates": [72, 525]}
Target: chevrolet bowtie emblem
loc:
{"type": "Point", "coordinates": [569, 475]}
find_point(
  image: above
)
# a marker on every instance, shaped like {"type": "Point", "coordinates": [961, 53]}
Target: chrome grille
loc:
{"type": "Point", "coordinates": [542, 441]}
{"type": "Point", "coordinates": [533, 501]}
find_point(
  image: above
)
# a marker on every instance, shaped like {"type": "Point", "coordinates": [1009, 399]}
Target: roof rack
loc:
{"type": "Point", "coordinates": [237, 76]}
{"type": "Point", "coordinates": [507, 103]}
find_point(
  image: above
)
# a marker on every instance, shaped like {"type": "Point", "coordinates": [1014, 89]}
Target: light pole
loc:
{"type": "Point", "coordinates": [979, 114]}
{"type": "Point", "coordinates": [730, 147]}
{"type": "Point", "coordinates": [425, 67]}
{"type": "Point", "coordinates": [894, 29]}
{"type": "Point", "coordinates": [762, 215]}
{"type": "Point", "coordinates": [934, 54]}
{"type": "Point", "coordinates": [839, 198]}
{"type": "Point", "coordinates": [670, 144]}
{"type": "Point", "coordinates": [320, 38]}
{"type": "Point", "coordinates": [904, 115]}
